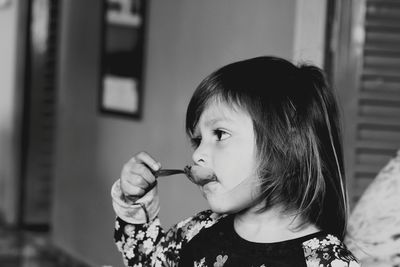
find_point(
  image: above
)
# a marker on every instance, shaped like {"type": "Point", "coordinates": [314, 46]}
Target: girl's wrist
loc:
{"type": "Point", "coordinates": [135, 211]}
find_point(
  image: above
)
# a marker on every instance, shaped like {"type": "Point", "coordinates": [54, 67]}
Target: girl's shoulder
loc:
{"type": "Point", "coordinates": [328, 250]}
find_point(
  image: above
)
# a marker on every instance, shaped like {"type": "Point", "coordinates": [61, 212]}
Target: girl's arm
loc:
{"type": "Point", "coordinates": [137, 230]}
{"type": "Point", "coordinates": [139, 236]}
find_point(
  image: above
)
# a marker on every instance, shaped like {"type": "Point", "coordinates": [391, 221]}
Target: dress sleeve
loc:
{"type": "Point", "coordinates": [140, 238]}
{"type": "Point", "coordinates": [138, 243]}
{"type": "Point", "coordinates": [328, 252]}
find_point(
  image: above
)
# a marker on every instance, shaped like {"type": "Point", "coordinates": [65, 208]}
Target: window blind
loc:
{"type": "Point", "coordinates": [378, 105]}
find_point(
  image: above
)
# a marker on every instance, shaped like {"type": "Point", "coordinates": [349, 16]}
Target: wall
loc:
{"type": "Point", "coordinates": [8, 112]}
{"type": "Point", "coordinates": [310, 24]}
{"type": "Point", "coordinates": [187, 40]}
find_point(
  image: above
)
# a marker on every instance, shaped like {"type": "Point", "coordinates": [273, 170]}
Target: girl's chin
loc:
{"type": "Point", "coordinates": [220, 209]}
{"type": "Point", "coordinates": [211, 188]}
{"type": "Point", "coordinates": [224, 209]}
{"type": "Point", "coordinates": [226, 204]}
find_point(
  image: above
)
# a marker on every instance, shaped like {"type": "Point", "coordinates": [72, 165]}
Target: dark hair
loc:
{"type": "Point", "coordinates": [295, 118]}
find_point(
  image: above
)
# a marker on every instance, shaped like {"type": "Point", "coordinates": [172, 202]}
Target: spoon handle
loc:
{"type": "Point", "coordinates": [167, 172]}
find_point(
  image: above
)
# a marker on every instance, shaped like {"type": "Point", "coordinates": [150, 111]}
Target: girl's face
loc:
{"type": "Point", "coordinates": [224, 141]}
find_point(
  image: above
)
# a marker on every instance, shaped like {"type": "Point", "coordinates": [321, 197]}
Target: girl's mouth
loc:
{"type": "Point", "coordinates": [200, 175]}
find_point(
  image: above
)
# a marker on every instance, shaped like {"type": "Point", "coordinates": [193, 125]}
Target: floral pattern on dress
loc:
{"type": "Point", "coordinates": [148, 245]}
{"type": "Point", "coordinates": [219, 261]}
{"type": "Point", "coordinates": [328, 252]}
{"type": "Point", "coordinates": [145, 245]}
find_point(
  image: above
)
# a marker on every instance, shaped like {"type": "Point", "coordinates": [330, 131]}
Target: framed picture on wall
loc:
{"type": "Point", "coordinates": [122, 55]}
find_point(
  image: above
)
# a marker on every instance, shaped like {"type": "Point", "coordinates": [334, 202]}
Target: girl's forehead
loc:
{"type": "Point", "coordinates": [220, 110]}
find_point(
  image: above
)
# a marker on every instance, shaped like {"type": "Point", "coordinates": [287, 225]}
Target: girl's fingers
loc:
{"type": "Point", "coordinates": [132, 184]}
{"type": "Point", "coordinates": [143, 165]}
{"type": "Point", "coordinates": [145, 158]}
{"type": "Point", "coordinates": [144, 177]}
{"type": "Point", "coordinates": [137, 174]}
{"type": "Point", "coordinates": [132, 190]}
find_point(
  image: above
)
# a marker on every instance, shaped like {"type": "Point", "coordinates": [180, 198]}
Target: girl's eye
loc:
{"type": "Point", "coordinates": [221, 135]}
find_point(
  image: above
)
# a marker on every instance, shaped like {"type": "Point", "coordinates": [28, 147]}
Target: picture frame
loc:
{"type": "Point", "coordinates": [122, 57]}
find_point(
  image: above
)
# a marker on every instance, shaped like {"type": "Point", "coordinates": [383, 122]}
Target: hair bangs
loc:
{"type": "Point", "coordinates": [213, 89]}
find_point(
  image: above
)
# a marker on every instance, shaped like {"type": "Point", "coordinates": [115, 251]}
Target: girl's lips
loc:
{"type": "Point", "coordinates": [205, 181]}
{"type": "Point", "coordinates": [200, 175]}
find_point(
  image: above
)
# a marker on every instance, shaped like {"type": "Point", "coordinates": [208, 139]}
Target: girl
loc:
{"type": "Point", "coordinates": [268, 132]}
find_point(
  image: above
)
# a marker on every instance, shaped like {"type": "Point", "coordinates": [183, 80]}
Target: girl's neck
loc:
{"type": "Point", "coordinates": [270, 226]}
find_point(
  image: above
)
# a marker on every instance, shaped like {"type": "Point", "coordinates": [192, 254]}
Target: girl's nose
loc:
{"type": "Point", "coordinates": [200, 156]}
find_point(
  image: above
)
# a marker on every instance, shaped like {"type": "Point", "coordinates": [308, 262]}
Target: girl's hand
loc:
{"type": "Point", "coordinates": [137, 176]}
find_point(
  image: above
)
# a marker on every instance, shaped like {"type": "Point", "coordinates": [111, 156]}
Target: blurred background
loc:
{"type": "Point", "coordinates": [64, 135]}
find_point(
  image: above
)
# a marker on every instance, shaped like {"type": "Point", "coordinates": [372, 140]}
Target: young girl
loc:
{"type": "Point", "coordinates": [268, 133]}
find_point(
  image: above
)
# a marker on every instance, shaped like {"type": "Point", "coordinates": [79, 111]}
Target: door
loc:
{"type": "Point", "coordinates": [365, 49]}
{"type": "Point", "coordinates": [39, 118]}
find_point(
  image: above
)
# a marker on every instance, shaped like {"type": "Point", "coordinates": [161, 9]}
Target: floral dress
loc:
{"type": "Point", "coordinates": [209, 240]}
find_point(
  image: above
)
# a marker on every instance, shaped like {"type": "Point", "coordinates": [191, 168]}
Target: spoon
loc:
{"type": "Point", "coordinates": [196, 174]}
